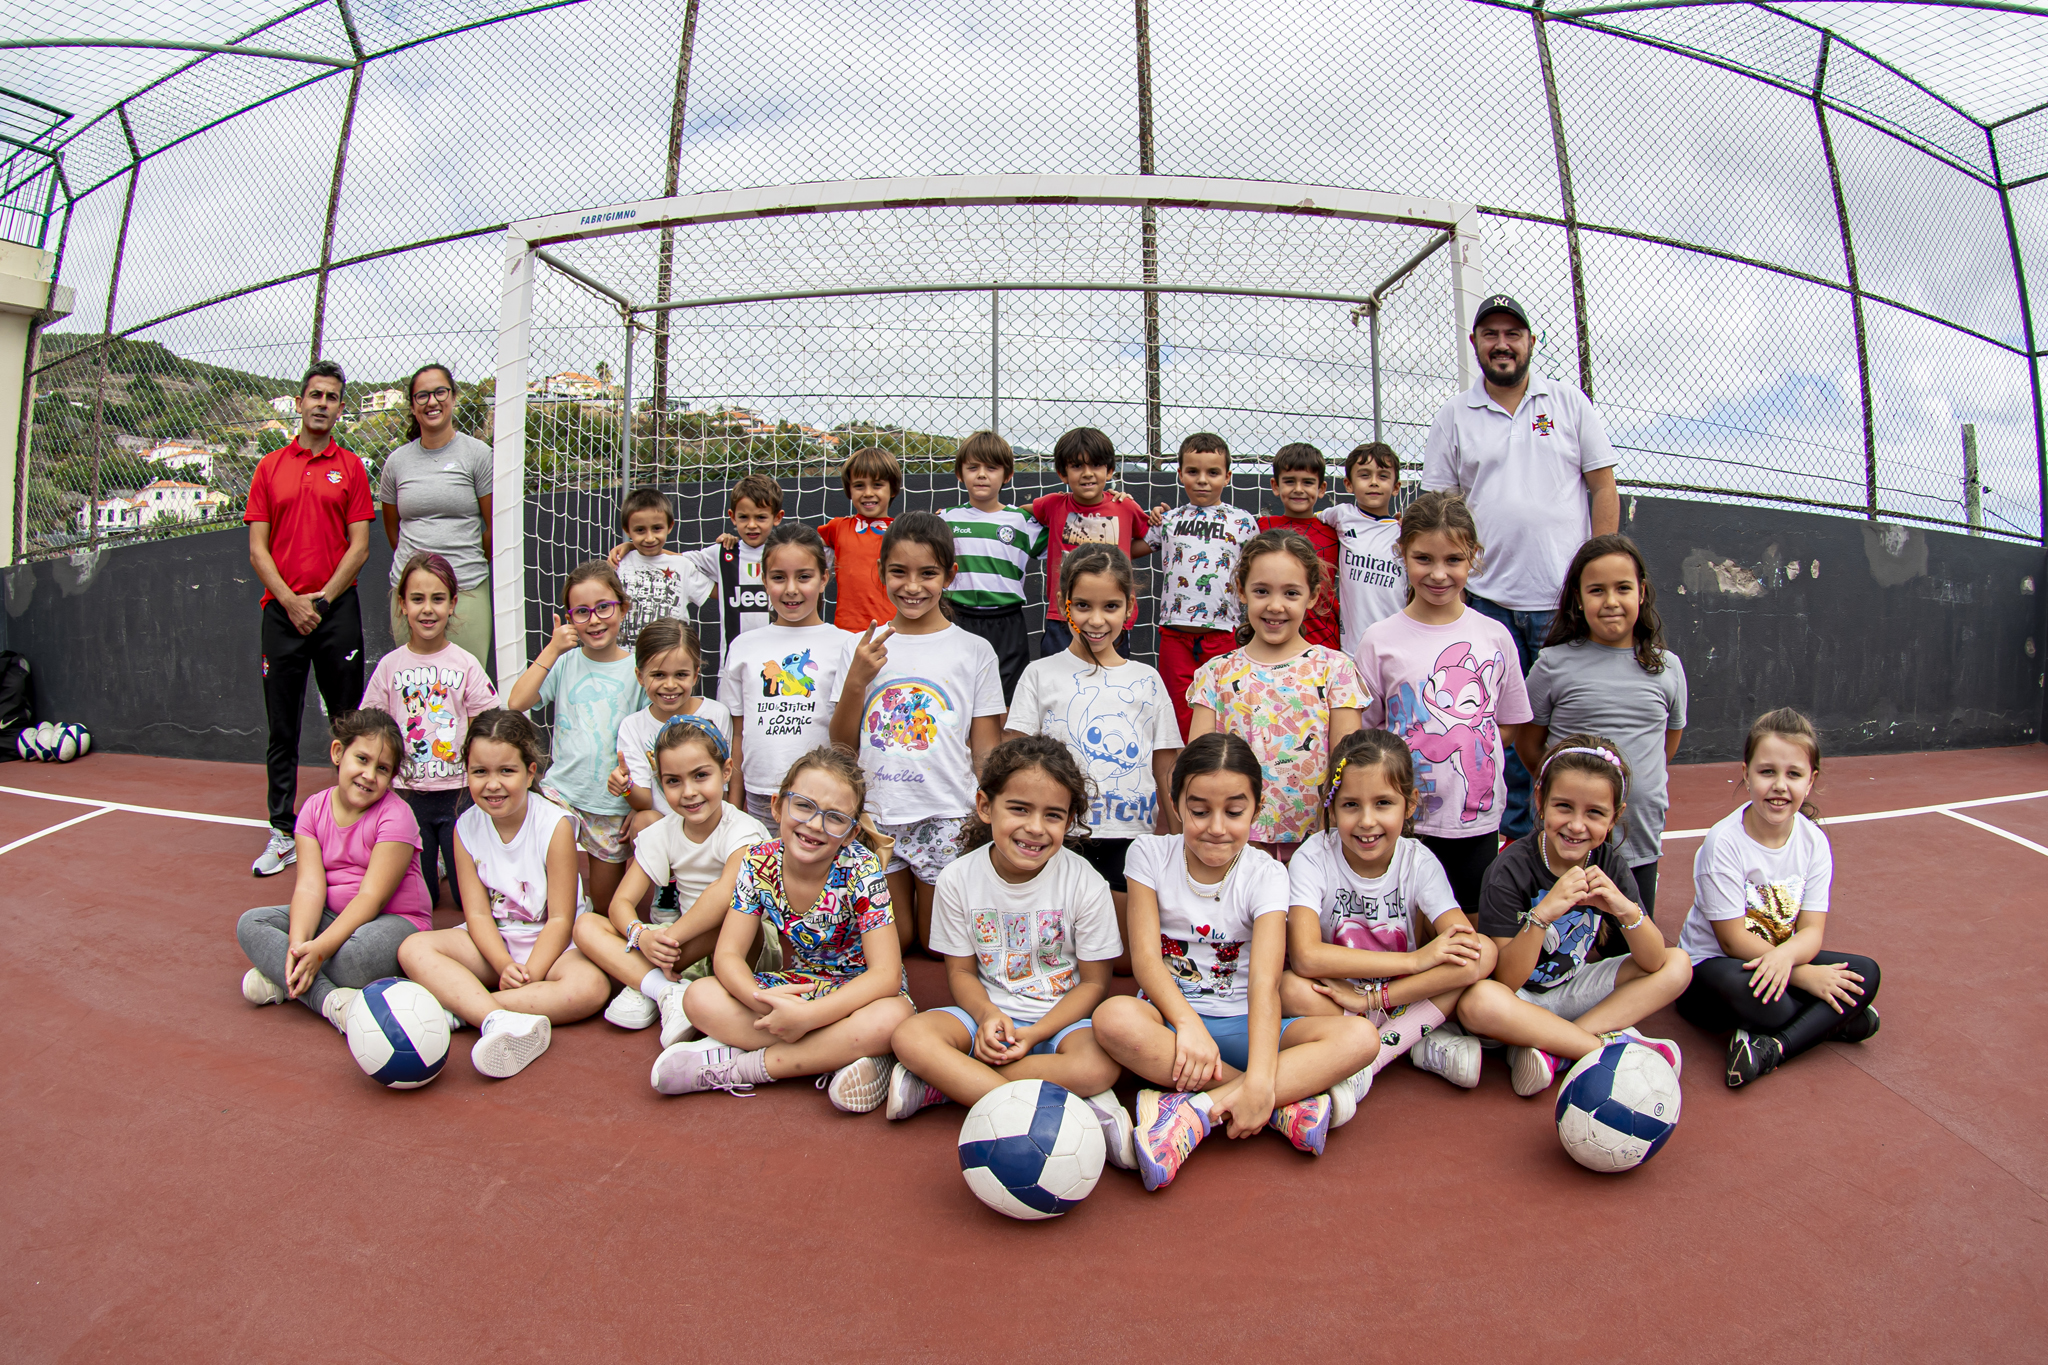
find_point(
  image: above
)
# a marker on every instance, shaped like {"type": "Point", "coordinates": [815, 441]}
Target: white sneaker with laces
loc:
{"type": "Point", "coordinates": [277, 855]}
{"type": "Point", "coordinates": [1450, 1054]}
{"type": "Point", "coordinates": [455, 1024]}
{"type": "Point", "coordinates": [334, 1009]}
{"type": "Point", "coordinates": [630, 1009]}
{"type": "Point", "coordinates": [1118, 1133]}
{"type": "Point", "coordinates": [1347, 1094]}
{"type": "Point", "coordinates": [675, 1025]}
{"type": "Point", "coordinates": [259, 989]}
{"type": "Point", "coordinates": [509, 1043]}
{"type": "Point", "coordinates": [860, 1086]}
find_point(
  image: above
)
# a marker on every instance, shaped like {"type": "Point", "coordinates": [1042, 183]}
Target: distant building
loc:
{"type": "Point", "coordinates": [568, 385]}
{"type": "Point", "coordinates": [285, 407]}
{"type": "Point", "coordinates": [181, 455]}
{"type": "Point", "coordinates": [383, 400]}
{"type": "Point", "coordinates": [165, 499]}
{"type": "Point", "coordinates": [120, 512]}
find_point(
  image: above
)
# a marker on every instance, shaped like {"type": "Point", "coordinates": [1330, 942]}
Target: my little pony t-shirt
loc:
{"type": "Point", "coordinates": [915, 722]}
{"type": "Point", "coordinates": [433, 697]}
{"type": "Point", "coordinates": [1447, 690]}
{"type": "Point", "coordinates": [1383, 914]}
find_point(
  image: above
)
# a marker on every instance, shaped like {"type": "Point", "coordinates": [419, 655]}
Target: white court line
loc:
{"type": "Point", "coordinates": [1993, 829]}
{"type": "Point", "coordinates": [67, 824]}
{"type": "Point", "coordinates": [1946, 808]}
{"type": "Point", "coordinates": [139, 810]}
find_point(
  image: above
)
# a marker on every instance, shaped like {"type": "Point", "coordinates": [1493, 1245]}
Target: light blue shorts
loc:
{"type": "Point", "coordinates": [1049, 1046]}
{"type": "Point", "coordinates": [1233, 1035]}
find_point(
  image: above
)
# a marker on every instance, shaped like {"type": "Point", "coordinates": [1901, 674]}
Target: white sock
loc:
{"type": "Point", "coordinates": [654, 983]}
{"type": "Point", "coordinates": [1201, 1101]}
{"type": "Point", "coordinates": [1404, 1026]}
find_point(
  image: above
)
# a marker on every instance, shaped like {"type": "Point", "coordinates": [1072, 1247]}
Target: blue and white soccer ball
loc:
{"type": "Point", "coordinates": [1030, 1149]}
{"type": "Point", "coordinates": [52, 742]}
{"type": "Point", "coordinates": [1617, 1107]}
{"type": "Point", "coordinates": [398, 1033]}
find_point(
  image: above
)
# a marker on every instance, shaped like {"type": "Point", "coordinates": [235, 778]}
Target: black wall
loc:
{"type": "Point", "coordinates": [1903, 639]}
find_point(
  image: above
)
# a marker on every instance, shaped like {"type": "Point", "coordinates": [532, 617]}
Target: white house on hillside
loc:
{"type": "Point", "coordinates": [179, 455]}
{"type": "Point", "coordinates": [383, 400]}
{"type": "Point", "coordinates": [163, 500]}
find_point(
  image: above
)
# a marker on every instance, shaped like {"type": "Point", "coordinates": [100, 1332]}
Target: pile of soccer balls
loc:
{"type": "Point", "coordinates": [51, 742]}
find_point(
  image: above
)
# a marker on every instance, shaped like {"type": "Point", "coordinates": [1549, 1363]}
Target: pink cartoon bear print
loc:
{"type": "Point", "coordinates": [1456, 724]}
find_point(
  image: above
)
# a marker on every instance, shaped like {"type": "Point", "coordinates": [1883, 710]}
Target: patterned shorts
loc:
{"type": "Point", "coordinates": [924, 846]}
{"type": "Point", "coordinates": [603, 837]}
{"type": "Point", "coordinates": [822, 985]}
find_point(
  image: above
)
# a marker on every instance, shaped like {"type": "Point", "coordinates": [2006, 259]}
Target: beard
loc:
{"type": "Point", "coordinates": [1514, 375]}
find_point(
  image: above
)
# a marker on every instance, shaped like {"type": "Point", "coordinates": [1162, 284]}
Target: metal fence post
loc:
{"type": "Point", "coordinates": [1827, 147]}
{"type": "Point", "coordinates": [995, 361]}
{"type": "Point", "coordinates": [2019, 282]}
{"type": "Point", "coordinates": [626, 417]}
{"type": "Point", "coordinates": [1372, 322]}
{"type": "Point", "coordinates": [1148, 227]}
{"type": "Point", "coordinates": [29, 366]}
{"type": "Point", "coordinates": [1573, 259]}
{"type": "Point", "coordinates": [99, 388]}
{"type": "Point", "coordinates": [348, 120]}
{"type": "Point", "coordinates": [1973, 485]}
{"type": "Point", "coordinates": [664, 274]}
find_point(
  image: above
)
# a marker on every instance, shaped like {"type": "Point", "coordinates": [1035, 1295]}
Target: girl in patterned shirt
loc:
{"type": "Point", "coordinates": [841, 993]}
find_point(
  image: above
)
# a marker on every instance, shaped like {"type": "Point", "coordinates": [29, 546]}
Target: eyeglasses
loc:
{"type": "Point", "coordinates": [432, 395]}
{"type": "Point", "coordinates": [599, 611]}
{"type": "Point", "coordinates": [836, 823]}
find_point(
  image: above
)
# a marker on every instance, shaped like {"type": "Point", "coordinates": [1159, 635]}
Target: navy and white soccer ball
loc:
{"type": "Point", "coordinates": [70, 741]}
{"type": "Point", "coordinates": [1030, 1149]}
{"type": "Point", "coordinates": [1617, 1107]}
{"type": "Point", "coordinates": [398, 1033]}
{"type": "Point", "coordinates": [51, 742]}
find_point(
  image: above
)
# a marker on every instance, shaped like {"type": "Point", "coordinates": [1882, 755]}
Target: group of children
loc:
{"type": "Point", "coordinates": [1324, 738]}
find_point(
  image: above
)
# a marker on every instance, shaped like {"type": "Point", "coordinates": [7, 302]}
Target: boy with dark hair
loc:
{"type": "Point", "coordinates": [995, 544]}
{"type": "Point", "coordinates": [1089, 512]}
{"type": "Point", "coordinates": [1373, 583]}
{"type": "Point", "coordinates": [872, 479]}
{"type": "Point", "coordinates": [1198, 608]}
{"type": "Point", "coordinates": [658, 581]}
{"type": "Point", "coordinates": [1299, 482]}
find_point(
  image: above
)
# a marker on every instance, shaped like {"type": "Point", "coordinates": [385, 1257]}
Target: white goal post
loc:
{"type": "Point", "coordinates": [1455, 229]}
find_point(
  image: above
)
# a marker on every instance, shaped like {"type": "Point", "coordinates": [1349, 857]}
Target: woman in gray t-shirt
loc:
{"type": "Point", "coordinates": [436, 494]}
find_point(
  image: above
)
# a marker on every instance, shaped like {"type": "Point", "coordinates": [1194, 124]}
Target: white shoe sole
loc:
{"type": "Point", "coordinates": [631, 1010]}
{"type": "Point", "coordinates": [508, 1049]}
{"type": "Point", "coordinates": [1529, 1073]}
{"type": "Point", "coordinates": [259, 989]}
{"type": "Point", "coordinates": [860, 1086]}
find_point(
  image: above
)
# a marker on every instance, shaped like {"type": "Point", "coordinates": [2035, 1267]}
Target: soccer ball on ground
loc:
{"type": "Point", "coordinates": [1030, 1149]}
{"type": "Point", "coordinates": [398, 1033]}
{"type": "Point", "coordinates": [1617, 1107]}
{"type": "Point", "coordinates": [72, 741]}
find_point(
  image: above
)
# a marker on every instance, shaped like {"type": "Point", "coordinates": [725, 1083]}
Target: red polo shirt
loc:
{"type": "Point", "coordinates": [310, 502]}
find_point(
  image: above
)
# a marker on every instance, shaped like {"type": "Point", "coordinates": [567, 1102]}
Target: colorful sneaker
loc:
{"type": "Point", "coordinates": [1347, 1094]}
{"type": "Point", "coordinates": [675, 1025]}
{"type": "Point", "coordinates": [334, 1009]}
{"type": "Point", "coordinates": [1751, 1055]}
{"type": "Point", "coordinates": [1450, 1054]}
{"type": "Point", "coordinates": [1305, 1123]}
{"type": "Point", "coordinates": [1169, 1125]}
{"type": "Point", "coordinates": [1663, 1047]}
{"type": "Point", "coordinates": [1859, 1027]}
{"type": "Point", "coordinates": [510, 1041]}
{"type": "Point", "coordinates": [632, 1010]}
{"type": "Point", "coordinates": [277, 855]}
{"type": "Point", "coordinates": [858, 1087]}
{"type": "Point", "coordinates": [909, 1093]}
{"type": "Point", "coordinates": [1116, 1130]}
{"type": "Point", "coordinates": [1531, 1069]}
{"type": "Point", "coordinates": [259, 989]}
{"type": "Point", "coordinates": [708, 1064]}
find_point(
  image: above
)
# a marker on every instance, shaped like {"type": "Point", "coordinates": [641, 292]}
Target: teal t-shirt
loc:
{"type": "Point", "coordinates": [590, 699]}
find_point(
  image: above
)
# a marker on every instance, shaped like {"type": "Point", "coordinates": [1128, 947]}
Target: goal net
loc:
{"type": "Point", "coordinates": [686, 342]}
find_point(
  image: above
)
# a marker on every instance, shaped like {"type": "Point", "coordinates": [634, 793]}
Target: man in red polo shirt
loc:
{"type": "Point", "coordinates": [309, 520]}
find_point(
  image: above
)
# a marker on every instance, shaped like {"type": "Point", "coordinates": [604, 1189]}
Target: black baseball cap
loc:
{"type": "Point", "coordinates": [1499, 303]}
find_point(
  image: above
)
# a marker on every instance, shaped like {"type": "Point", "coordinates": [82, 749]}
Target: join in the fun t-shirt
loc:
{"type": "Point", "coordinates": [1204, 934]}
{"type": "Point", "coordinates": [916, 720]}
{"type": "Point", "coordinates": [432, 697]}
{"type": "Point", "coordinates": [1027, 938]}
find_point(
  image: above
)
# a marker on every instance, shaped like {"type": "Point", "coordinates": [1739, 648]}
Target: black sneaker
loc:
{"type": "Point", "coordinates": [665, 898]}
{"type": "Point", "coordinates": [1751, 1055]}
{"type": "Point", "coordinates": [1859, 1027]}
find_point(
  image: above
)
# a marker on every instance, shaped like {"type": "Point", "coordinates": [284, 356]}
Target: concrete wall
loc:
{"type": "Point", "coordinates": [1891, 638]}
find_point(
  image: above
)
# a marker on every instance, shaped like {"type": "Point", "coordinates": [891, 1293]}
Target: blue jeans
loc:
{"type": "Point", "coordinates": [1528, 629]}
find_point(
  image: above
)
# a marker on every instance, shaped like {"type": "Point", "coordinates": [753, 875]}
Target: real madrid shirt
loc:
{"type": "Point", "coordinates": [994, 549]}
{"type": "Point", "coordinates": [1375, 583]}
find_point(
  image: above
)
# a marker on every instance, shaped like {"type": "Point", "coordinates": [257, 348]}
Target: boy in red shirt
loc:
{"type": "Point", "coordinates": [1087, 513]}
{"type": "Point", "coordinates": [1299, 482]}
{"type": "Point", "coordinates": [872, 479]}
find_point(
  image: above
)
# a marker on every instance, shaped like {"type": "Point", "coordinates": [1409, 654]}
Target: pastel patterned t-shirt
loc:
{"type": "Point", "coordinates": [1283, 712]}
{"type": "Point", "coordinates": [1198, 565]}
{"type": "Point", "coordinates": [822, 944]}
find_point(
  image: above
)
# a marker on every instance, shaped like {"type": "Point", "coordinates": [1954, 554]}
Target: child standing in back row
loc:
{"type": "Point", "coordinates": [733, 561]}
{"type": "Point", "coordinates": [872, 479]}
{"type": "Point", "coordinates": [1087, 513]}
{"type": "Point", "coordinates": [1198, 612]}
{"type": "Point", "coordinates": [1372, 584]}
{"type": "Point", "coordinates": [1299, 481]}
{"type": "Point", "coordinates": [659, 582]}
{"type": "Point", "coordinates": [996, 544]}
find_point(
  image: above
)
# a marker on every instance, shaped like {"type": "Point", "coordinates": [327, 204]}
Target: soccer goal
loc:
{"type": "Point", "coordinates": [687, 341]}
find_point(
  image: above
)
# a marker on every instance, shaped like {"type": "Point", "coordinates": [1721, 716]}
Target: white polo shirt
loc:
{"type": "Point", "coordinates": [1524, 476]}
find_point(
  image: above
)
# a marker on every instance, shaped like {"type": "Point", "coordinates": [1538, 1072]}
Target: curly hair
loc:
{"type": "Point", "coordinates": [1022, 754]}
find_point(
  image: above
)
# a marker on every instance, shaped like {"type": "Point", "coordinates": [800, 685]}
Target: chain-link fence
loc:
{"type": "Point", "coordinates": [1783, 247]}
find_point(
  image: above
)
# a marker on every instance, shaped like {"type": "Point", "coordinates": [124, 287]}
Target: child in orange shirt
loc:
{"type": "Point", "coordinates": [872, 479]}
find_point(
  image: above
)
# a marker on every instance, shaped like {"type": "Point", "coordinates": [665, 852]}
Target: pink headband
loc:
{"type": "Point", "coordinates": [1607, 754]}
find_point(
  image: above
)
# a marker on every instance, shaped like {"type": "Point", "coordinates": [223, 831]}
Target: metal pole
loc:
{"type": "Point", "coordinates": [2019, 280]}
{"type": "Point", "coordinates": [1827, 147]}
{"type": "Point", "coordinates": [995, 361]}
{"type": "Point", "coordinates": [28, 370]}
{"type": "Point", "coordinates": [348, 120]}
{"type": "Point", "coordinates": [99, 388]}
{"type": "Point", "coordinates": [626, 419]}
{"type": "Point", "coordinates": [1372, 322]}
{"type": "Point", "coordinates": [1573, 257]}
{"type": "Point", "coordinates": [1973, 487]}
{"type": "Point", "coordinates": [1148, 227]}
{"type": "Point", "coordinates": [664, 272]}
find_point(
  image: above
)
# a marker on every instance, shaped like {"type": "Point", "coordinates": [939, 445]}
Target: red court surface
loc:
{"type": "Point", "coordinates": [190, 1178]}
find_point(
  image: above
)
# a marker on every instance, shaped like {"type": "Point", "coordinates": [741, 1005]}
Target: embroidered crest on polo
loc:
{"type": "Point", "coordinates": [1542, 426]}
{"type": "Point", "coordinates": [334, 476]}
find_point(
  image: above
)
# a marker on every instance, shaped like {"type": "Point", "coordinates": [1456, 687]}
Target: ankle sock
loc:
{"type": "Point", "coordinates": [752, 1067]}
{"type": "Point", "coordinates": [1404, 1026]}
{"type": "Point", "coordinates": [654, 983]}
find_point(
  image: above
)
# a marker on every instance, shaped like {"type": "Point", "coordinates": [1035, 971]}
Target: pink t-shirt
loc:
{"type": "Point", "coordinates": [1447, 690]}
{"type": "Point", "coordinates": [345, 853]}
{"type": "Point", "coordinates": [432, 697]}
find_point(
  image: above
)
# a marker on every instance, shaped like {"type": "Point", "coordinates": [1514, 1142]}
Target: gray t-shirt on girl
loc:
{"type": "Point", "coordinates": [1588, 688]}
{"type": "Point", "coordinates": [436, 493]}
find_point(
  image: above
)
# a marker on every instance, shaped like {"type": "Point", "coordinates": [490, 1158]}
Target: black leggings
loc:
{"type": "Point", "coordinates": [436, 812]}
{"type": "Point", "coordinates": [1646, 886]}
{"type": "Point", "coordinates": [1465, 862]}
{"type": "Point", "coordinates": [1719, 1001]}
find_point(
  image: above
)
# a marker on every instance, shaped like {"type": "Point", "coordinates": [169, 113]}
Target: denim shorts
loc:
{"type": "Point", "coordinates": [1233, 1035]}
{"type": "Point", "coordinates": [1047, 1047]}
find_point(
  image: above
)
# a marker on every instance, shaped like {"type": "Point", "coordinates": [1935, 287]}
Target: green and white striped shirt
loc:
{"type": "Point", "coordinates": [994, 549]}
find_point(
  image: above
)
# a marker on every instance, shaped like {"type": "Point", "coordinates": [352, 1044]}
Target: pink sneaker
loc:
{"type": "Point", "coordinates": [1306, 1123]}
{"type": "Point", "coordinates": [1663, 1047]}
{"type": "Point", "coordinates": [708, 1065]}
{"type": "Point", "coordinates": [1170, 1123]}
{"type": "Point", "coordinates": [908, 1093]}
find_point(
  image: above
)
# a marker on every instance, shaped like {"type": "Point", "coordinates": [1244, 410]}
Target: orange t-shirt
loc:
{"type": "Point", "coordinates": [856, 546]}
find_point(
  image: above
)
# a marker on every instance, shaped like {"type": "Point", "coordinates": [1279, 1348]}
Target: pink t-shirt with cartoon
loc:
{"type": "Point", "coordinates": [433, 698]}
{"type": "Point", "coordinates": [1447, 690]}
{"type": "Point", "coordinates": [1283, 712]}
{"type": "Point", "coordinates": [345, 853]}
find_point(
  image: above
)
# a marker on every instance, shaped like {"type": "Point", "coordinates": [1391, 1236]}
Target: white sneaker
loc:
{"type": "Point", "coordinates": [1118, 1133]}
{"type": "Point", "coordinates": [455, 1024]}
{"type": "Point", "coordinates": [1346, 1095]}
{"type": "Point", "coordinates": [277, 855]}
{"type": "Point", "coordinates": [908, 1093]}
{"type": "Point", "coordinates": [334, 1009]}
{"type": "Point", "coordinates": [675, 1025]}
{"type": "Point", "coordinates": [259, 989]}
{"type": "Point", "coordinates": [1663, 1047]}
{"type": "Point", "coordinates": [1450, 1054]}
{"type": "Point", "coordinates": [630, 1009]}
{"type": "Point", "coordinates": [510, 1041]}
{"type": "Point", "coordinates": [860, 1086]}
{"type": "Point", "coordinates": [1531, 1070]}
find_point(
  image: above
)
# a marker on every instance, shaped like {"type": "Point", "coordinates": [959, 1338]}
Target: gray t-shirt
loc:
{"type": "Point", "coordinates": [1587, 688]}
{"type": "Point", "coordinates": [436, 492]}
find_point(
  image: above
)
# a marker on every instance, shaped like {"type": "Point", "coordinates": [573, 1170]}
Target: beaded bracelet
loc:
{"type": "Point", "coordinates": [633, 935]}
{"type": "Point", "coordinates": [1641, 915]}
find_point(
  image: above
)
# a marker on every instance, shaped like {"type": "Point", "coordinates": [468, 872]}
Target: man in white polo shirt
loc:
{"type": "Point", "coordinates": [1532, 458]}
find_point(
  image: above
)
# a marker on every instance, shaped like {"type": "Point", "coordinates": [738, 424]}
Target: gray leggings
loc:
{"type": "Point", "coordinates": [370, 954]}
